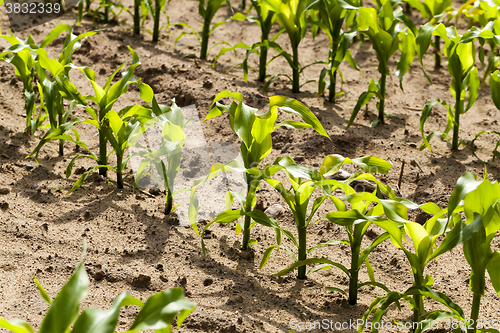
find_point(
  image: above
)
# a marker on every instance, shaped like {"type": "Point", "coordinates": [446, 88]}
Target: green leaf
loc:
{"type": "Point", "coordinates": [310, 262]}
{"type": "Point", "coordinates": [16, 326]}
{"type": "Point", "coordinates": [42, 291]}
{"type": "Point", "coordinates": [494, 271]}
{"type": "Point", "coordinates": [64, 308]}
{"type": "Point", "coordinates": [160, 310]}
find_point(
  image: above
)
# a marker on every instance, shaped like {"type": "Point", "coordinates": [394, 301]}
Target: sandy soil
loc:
{"type": "Point", "coordinates": [131, 244]}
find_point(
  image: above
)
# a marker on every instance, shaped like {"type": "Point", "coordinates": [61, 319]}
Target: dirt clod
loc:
{"type": "Point", "coordinates": [141, 281]}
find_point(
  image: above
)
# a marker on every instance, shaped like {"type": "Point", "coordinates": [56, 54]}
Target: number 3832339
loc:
{"type": "Point", "coordinates": [39, 8]}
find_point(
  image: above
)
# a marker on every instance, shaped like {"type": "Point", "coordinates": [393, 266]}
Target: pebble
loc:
{"type": "Point", "coordinates": [208, 84]}
{"type": "Point", "coordinates": [35, 186]}
{"type": "Point", "coordinates": [4, 205]}
{"type": "Point", "coordinates": [4, 191]}
{"type": "Point", "coordinates": [141, 281]}
{"type": "Point", "coordinates": [29, 167]}
{"type": "Point", "coordinates": [341, 175]}
{"type": "Point", "coordinates": [299, 159]}
{"type": "Point", "coordinates": [285, 148]}
{"type": "Point", "coordinates": [274, 210]}
{"type": "Point", "coordinates": [316, 165]}
{"type": "Point", "coordinates": [87, 229]}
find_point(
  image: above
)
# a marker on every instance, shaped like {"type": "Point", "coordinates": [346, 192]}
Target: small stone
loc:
{"type": "Point", "coordinates": [285, 148]}
{"type": "Point", "coordinates": [4, 191]}
{"type": "Point", "coordinates": [159, 267]}
{"type": "Point", "coordinates": [412, 145]}
{"type": "Point", "coordinates": [45, 227]}
{"type": "Point", "coordinates": [29, 167]}
{"type": "Point", "coordinates": [407, 132]}
{"type": "Point", "coordinates": [87, 229]}
{"type": "Point", "coordinates": [141, 281]}
{"type": "Point", "coordinates": [35, 186]}
{"type": "Point", "coordinates": [274, 210]}
{"type": "Point", "coordinates": [208, 282]}
{"type": "Point", "coordinates": [363, 186]}
{"type": "Point", "coordinates": [86, 215]}
{"type": "Point", "coordinates": [341, 175]}
{"type": "Point", "coordinates": [316, 165]}
{"type": "Point", "coordinates": [4, 205]}
{"type": "Point", "coordinates": [391, 144]}
{"type": "Point", "coordinates": [155, 191]}
{"type": "Point", "coordinates": [182, 281]}
{"type": "Point", "coordinates": [299, 159]}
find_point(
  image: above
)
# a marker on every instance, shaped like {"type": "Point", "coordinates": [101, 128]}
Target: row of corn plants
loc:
{"type": "Point", "coordinates": [471, 219]}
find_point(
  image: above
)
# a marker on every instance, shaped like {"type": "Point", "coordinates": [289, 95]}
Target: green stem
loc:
{"type": "Point", "coordinates": [437, 45]}
{"type": "Point", "coordinates": [243, 4]}
{"type": "Point", "coordinates": [119, 171]}
{"type": "Point", "coordinates": [302, 248]}
{"type": "Point", "coordinates": [419, 303]}
{"type": "Point", "coordinates": [458, 111]}
{"type": "Point", "coordinates": [170, 198]}
{"type": "Point", "coordinates": [204, 39]}
{"type": "Point", "coordinates": [103, 158]}
{"type": "Point", "coordinates": [263, 57]}
{"type": "Point", "coordinates": [474, 315]}
{"type": "Point", "coordinates": [156, 28]}
{"type": "Point", "coordinates": [106, 12]}
{"type": "Point", "coordinates": [381, 105]}
{"type": "Point", "coordinates": [331, 93]}
{"type": "Point", "coordinates": [137, 17]}
{"type": "Point", "coordinates": [295, 69]}
{"type": "Point", "coordinates": [248, 208]}
{"type": "Point", "coordinates": [353, 280]}
{"type": "Point", "coordinates": [61, 121]}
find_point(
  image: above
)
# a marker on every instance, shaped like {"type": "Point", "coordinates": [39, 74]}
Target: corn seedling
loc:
{"type": "Point", "coordinates": [255, 131]}
{"type": "Point", "coordinates": [207, 10]}
{"type": "Point", "coordinates": [436, 11]}
{"type": "Point", "coordinates": [387, 37]}
{"type": "Point", "coordinates": [481, 207]}
{"type": "Point", "coordinates": [108, 10]}
{"type": "Point", "coordinates": [425, 249]}
{"type": "Point", "coordinates": [298, 198]}
{"type": "Point", "coordinates": [172, 122]}
{"type": "Point", "coordinates": [157, 313]}
{"type": "Point", "coordinates": [329, 16]}
{"type": "Point", "coordinates": [155, 11]}
{"type": "Point", "coordinates": [105, 97]}
{"type": "Point", "coordinates": [461, 54]}
{"type": "Point", "coordinates": [292, 16]}
{"type": "Point", "coordinates": [265, 19]}
{"type": "Point", "coordinates": [494, 83]}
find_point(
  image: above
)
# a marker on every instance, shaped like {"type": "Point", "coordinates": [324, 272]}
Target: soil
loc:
{"type": "Point", "coordinates": [133, 246]}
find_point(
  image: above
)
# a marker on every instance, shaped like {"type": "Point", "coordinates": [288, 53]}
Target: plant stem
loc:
{"type": "Point", "coordinates": [295, 69]}
{"type": "Point", "coordinates": [381, 105]}
{"type": "Point", "coordinates": [204, 39]}
{"type": "Point", "coordinates": [302, 248]}
{"type": "Point", "coordinates": [156, 28]}
{"type": "Point", "coordinates": [419, 304]}
{"type": "Point", "coordinates": [458, 111]}
{"type": "Point", "coordinates": [61, 121]}
{"type": "Point", "coordinates": [103, 158]}
{"type": "Point", "coordinates": [106, 12]}
{"type": "Point", "coordinates": [248, 208]}
{"type": "Point", "coordinates": [137, 18]}
{"type": "Point", "coordinates": [119, 171]}
{"type": "Point", "coordinates": [474, 315]}
{"type": "Point", "coordinates": [263, 56]}
{"type": "Point", "coordinates": [437, 45]}
{"type": "Point", "coordinates": [331, 93]}
{"type": "Point", "coordinates": [243, 4]}
{"type": "Point", "coordinates": [169, 202]}
{"type": "Point", "coordinates": [353, 281]}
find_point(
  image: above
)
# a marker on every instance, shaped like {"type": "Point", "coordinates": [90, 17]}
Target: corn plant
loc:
{"type": "Point", "coordinates": [104, 99]}
{"type": "Point", "coordinates": [157, 313]}
{"type": "Point", "coordinates": [173, 138]}
{"type": "Point", "coordinates": [298, 198]}
{"type": "Point", "coordinates": [461, 53]}
{"type": "Point", "coordinates": [26, 61]}
{"type": "Point", "coordinates": [436, 11]}
{"type": "Point", "coordinates": [292, 16]}
{"type": "Point", "coordinates": [108, 7]}
{"type": "Point", "coordinates": [155, 11]}
{"type": "Point", "coordinates": [494, 83]}
{"type": "Point", "coordinates": [387, 36]}
{"type": "Point", "coordinates": [207, 10]}
{"type": "Point", "coordinates": [255, 131]}
{"type": "Point", "coordinates": [265, 19]}
{"type": "Point", "coordinates": [329, 16]}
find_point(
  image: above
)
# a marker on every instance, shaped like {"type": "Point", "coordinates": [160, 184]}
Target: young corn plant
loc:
{"type": "Point", "coordinates": [255, 131]}
{"type": "Point", "coordinates": [425, 249]}
{"type": "Point", "coordinates": [494, 83]}
{"type": "Point", "coordinates": [298, 198]}
{"type": "Point", "coordinates": [436, 11]}
{"type": "Point", "coordinates": [157, 313]}
{"type": "Point", "coordinates": [155, 11]}
{"type": "Point", "coordinates": [105, 16]}
{"type": "Point", "coordinates": [292, 16]}
{"type": "Point", "coordinates": [265, 19]}
{"type": "Point", "coordinates": [207, 10]}
{"type": "Point", "coordinates": [481, 207]}
{"type": "Point", "coordinates": [329, 16]}
{"type": "Point", "coordinates": [173, 138]}
{"type": "Point", "coordinates": [26, 61]}
{"type": "Point", "coordinates": [461, 54]}
{"type": "Point", "coordinates": [387, 37]}
{"type": "Point", "coordinates": [104, 99]}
